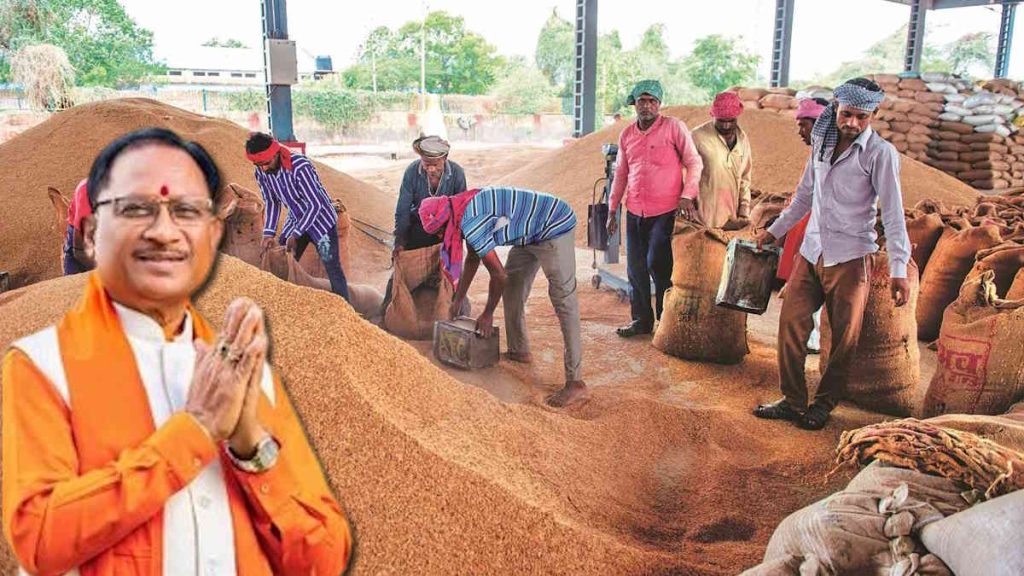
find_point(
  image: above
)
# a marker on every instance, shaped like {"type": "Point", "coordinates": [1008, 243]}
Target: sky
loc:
{"type": "Point", "coordinates": [825, 32]}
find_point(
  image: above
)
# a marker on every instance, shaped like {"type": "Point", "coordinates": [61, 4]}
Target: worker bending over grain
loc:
{"type": "Point", "coordinates": [539, 227]}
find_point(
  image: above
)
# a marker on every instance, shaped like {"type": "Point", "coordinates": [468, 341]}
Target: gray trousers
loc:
{"type": "Point", "coordinates": [558, 260]}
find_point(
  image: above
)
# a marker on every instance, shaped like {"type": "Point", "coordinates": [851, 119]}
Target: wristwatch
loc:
{"type": "Point", "coordinates": [263, 460]}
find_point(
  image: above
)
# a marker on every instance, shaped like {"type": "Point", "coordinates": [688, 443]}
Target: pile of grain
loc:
{"type": "Point", "coordinates": [60, 151]}
{"type": "Point", "coordinates": [779, 159]}
{"type": "Point", "coordinates": [664, 472]}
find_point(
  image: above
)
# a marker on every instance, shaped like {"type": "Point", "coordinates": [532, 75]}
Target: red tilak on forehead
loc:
{"type": "Point", "coordinates": [164, 191]}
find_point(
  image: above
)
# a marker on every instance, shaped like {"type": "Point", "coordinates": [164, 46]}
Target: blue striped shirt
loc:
{"type": "Point", "coordinates": [501, 216]}
{"type": "Point", "coordinates": [310, 211]}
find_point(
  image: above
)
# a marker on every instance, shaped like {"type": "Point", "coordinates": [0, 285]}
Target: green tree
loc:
{"type": "Point", "coordinates": [971, 52]}
{"type": "Point", "coordinates": [556, 52]}
{"type": "Point", "coordinates": [716, 64]}
{"type": "Point", "coordinates": [458, 61]}
{"type": "Point", "coordinates": [104, 45]}
{"type": "Point", "coordinates": [229, 43]}
{"type": "Point", "coordinates": [523, 89]}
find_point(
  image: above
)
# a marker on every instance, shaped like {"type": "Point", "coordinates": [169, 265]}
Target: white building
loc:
{"type": "Point", "coordinates": [217, 66]}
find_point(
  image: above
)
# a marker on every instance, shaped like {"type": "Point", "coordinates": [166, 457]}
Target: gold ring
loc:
{"type": "Point", "coordinates": [233, 356]}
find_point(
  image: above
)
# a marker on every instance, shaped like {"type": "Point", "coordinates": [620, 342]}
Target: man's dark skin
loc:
{"type": "Point", "coordinates": [484, 322]}
{"type": "Point", "coordinates": [648, 109]}
{"type": "Point", "coordinates": [805, 126]}
{"type": "Point", "coordinates": [728, 129]}
{"type": "Point", "coordinates": [434, 167]}
{"type": "Point", "coordinates": [851, 123]}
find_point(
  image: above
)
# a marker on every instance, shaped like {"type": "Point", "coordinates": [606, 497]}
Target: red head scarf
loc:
{"type": "Point", "coordinates": [727, 105]}
{"type": "Point", "coordinates": [268, 155]}
{"type": "Point", "coordinates": [439, 211]}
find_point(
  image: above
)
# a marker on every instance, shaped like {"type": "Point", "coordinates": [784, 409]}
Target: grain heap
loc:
{"type": "Point", "coordinates": [438, 477]}
{"type": "Point", "coordinates": [60, 151]}
{"type": "Point", "coordinates": [779, 160]}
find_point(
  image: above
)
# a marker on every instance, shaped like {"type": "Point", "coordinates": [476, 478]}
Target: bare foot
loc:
{"type": "Point", "coordinates": [572, 393]}
{"type": "Point", "coordinates": [521, 357]}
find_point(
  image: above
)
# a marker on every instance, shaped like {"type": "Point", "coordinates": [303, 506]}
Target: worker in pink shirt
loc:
{"type": "Point", "coordinates": [76, 259]}
{"type": "Point", "coordinates": [658, 173]}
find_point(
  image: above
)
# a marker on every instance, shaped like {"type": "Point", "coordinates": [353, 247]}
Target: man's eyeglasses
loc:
{"type": "Point", "coordinates": [183, 211]}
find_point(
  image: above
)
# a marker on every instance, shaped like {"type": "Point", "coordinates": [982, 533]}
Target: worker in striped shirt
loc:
{"type": "Point", "coordinates": [539, 227]}
{"type": "Point", "coordinates": [286, 177]}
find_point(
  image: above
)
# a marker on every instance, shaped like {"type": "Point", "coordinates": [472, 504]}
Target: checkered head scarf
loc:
{"type": "Point", "coordinates": [852, 94]}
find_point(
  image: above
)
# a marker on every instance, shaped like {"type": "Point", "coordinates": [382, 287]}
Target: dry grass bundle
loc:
{"type": "Point", "coordinates": [46, 74]}
{"type": "Point", "coordinates": [910, 443]}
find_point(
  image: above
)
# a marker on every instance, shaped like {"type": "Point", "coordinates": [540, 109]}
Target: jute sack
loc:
{"type": "Point", "coordinates": [766, 208]}
{"type": "Point", "coordinates": [886, 367]}
{"type": "Point", "coordinates": [311, 259]}
{"type": "Point", "coordinates": [852, 532]}
{"type": "Point", "coordinates": [243, 229]}
{"type": "Point", "coordinates": [420, 294]}
{"type": "Point", "coordinates": [998, 523]}
{"type": "Point", "coordinates": [948, 266]}
{"type": "Point", "coordinates": [1016, 291]}
{"type": "Point", "coordinates": [984, 540]}
{"type": "Point", "coordinates": [924, 231]}
{"type": "Point", "coordinates": [692, 327]}
{"type": "Point", "coordinates": [981, 353]}
{"type": "Point", "coordinates": [366, 300]}
{"type": "Point", "coordinates": [1004, 260]}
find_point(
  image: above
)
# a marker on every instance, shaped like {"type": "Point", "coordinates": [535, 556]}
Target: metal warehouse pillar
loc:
{"type": "Point", "coordinates": [585, 80]}
{"type": "Point", "coordinates": [915, 36]}
{"type": "Point", "coordinates": [279, 96]}
{"type": "Point", "coordinates": [1005, 40]}
{"type": "Point", "coordinates": [781, 41]}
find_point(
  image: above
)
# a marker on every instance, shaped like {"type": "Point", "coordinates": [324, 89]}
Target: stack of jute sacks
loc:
{"type": "Point", "coordinates": [963, 129]}
{"type": "Point", "coordinates": [968, 130]}
{"type": "Point", "coordinates": [971, 302]}
{"type": "Point", "coordinates": [780, 100]}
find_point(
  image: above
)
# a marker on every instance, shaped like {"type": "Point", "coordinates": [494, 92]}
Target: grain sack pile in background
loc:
{"type": "Point", "coordinates": [420, 294]}
{"type": "Point", "coordinates": [968, 132]}
{"type": "Point", "coordinates": [981, 353]}
{"type": "Point", "coordinates": [692, 327]}
{"type": "Point", "coordinates": [947, 268]}
{"type": "Point", "coordinates": [887, 363]}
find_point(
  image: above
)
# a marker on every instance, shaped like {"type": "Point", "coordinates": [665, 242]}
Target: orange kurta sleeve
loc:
{"type": "Point", "coordinates": [299, 522]}
{"type": "Point", "coordinates": [57, 518]}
